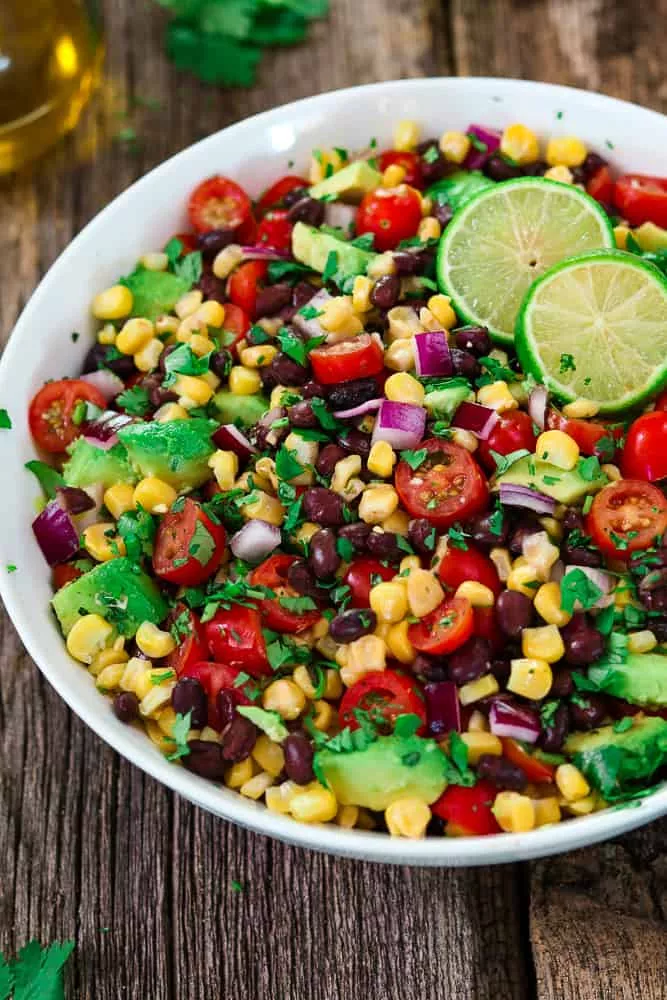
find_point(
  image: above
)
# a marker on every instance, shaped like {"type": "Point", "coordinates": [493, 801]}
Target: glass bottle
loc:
{"type": "Point", "coordinates": [50, 55]}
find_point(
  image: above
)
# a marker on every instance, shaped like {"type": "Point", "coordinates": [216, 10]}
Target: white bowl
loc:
{"type": "Point", "coordinates": [255, 152]}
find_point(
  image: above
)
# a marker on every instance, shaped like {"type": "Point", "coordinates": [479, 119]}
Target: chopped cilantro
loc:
{"type": "Point", "coordinates": [295, 348]}
{"type": "Point", "coordinates": [567, 364]}
{"type": "Point", "coordinates": [49, 478]}
{"type": "Point", "coordinates": [269, 722]}
{"type": "Point", "coordinates": [287, 465]}
{"type": "Point", "coordinates": [496, 522]}
{"type": "Point", "coordinates": [134, 401]}
{"type": "Point", "coordinates": [344, 548]}
{"type": "Point", "coordinates": [36, 974]}
{"type": "Point", "coordinates": [297, 605]}
{"type": "Point", "coordinates": [287, 270]}
{"type": "Point", "coordinates": [179, 734]}
{"type": "Point", "coordinates": [495, 372]}
{"type": "Point", "coordinates": [202, 544]}
{"type": "Point", "coordinates": [578, 591]}
{"type": "Point", "coordinates": [432, 154]}
{"type": "Point", "coordinates": [623, 725]}
{"type": "Point", "coordinates": [457, 537]}
{"type": "Point", "coordinates": [503, 462]}
{"type": "Point", "coordinates": [10, 567]}
{"type": "Point", "coordinates": [588, 503]}
{"type": "Point", "coordinates": [589, 468]}
{"type": "Point", "coordinates": [475, 142]}
{"type": "Point", "coordinates": [547, 712]}
{"type": "Point", "coordinates": [173, 250]}
{"type": "Point", "coordinates": [415, 458]}
{"type": "Point", "coordinates": [330, 267]}
{"type": "Point", "coordinates": [236, 886]}
{"type": "Point", "coordinates": [183, 361]}
{"type": "Point", "coordinates": [5, 420]}
{"type": "Point", "coordinates": [189, 267]}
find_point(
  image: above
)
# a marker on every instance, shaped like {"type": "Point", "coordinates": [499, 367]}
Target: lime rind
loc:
{"type": "Point", "coordinates": [595, 326]}
{"type": "Point", "coordinates": [487, 260]}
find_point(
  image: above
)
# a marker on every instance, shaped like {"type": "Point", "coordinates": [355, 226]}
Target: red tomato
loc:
{"type": "Point", "coordinates": [445, 629]}
{"type": "Point", "coordinates": [627, 516]}
{"type": "Point", "coordinates": [486, 626]}
{"type": "Point", "coordinates": [189, 241]}
{"type": "Point", "coordinates": [52, 409]}
{"type": "Point", "coordinates": [244, 284]}
{"type": "Point", "coordinates": [275, 230]}
{"type": "Point", "coordinates": [448, 486]}
{"type": "Point", "coordinates": [468, 810]}
{"type": "Point", "coordinates": [456, 566]}
{"type": "Point", "coordinates": [358, 579]}
{"type": "Point", "coordinates": [273, 196]}
{"type": "Point", "coordinates": [272, 573]}
{"type": "Point", "coordinates": [63, 574]}
{"type": "Point", "coordinates": [513, 432]}
{"type": "Point", "coordinates": [347, 360]}
{"type": "Point", "coordinates": [235, 638]}
{"type": "Point", "coordinates": [234, 327]}
{"type": "Point", "coordinates": [188, 546]}
{"type": "Point", "coordinates": [641, 199]}
{"type": "Point", "coordinates": [191, 646]}
{"type": "Point", "coordinates": [214, 678]}
{"type": "Point", "coordinates": [218, 203]}
{"type": "Point", "coordinates": [391, 215]}
{"type": "Point", "coordinates": [534, 769]}
{"type": "Point", "coordinates": [586, 433]}
{"type": "Point", "coordinates": [645, 451]}
{"type": "Point", "coordinates": [661, 401]}
{"type": "Point", "coordinates": [247, 231]}
{"type": "Point", "coordinates": [601, 186]}
{"type": "Point", "coordinates": [384, 694]}
{"type": "Point", "coordinates": [410, 163]}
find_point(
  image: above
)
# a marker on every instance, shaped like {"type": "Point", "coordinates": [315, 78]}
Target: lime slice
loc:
{"type": "Point", "coordinates": [595, 327]}
{"type": "Point", "coordinates": [505, 238]}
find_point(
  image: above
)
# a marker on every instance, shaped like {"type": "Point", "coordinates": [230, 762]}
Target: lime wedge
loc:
{"type": "Point", "coordinates": [595, 327]}
{"type": "Point", "coordinates": [502, 240]}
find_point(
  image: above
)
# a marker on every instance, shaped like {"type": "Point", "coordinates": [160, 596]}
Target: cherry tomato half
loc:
{"type": "Point", "coordinates": [192, 646]}
{"type": "Point", "coordinates": [391, 215]}
{"type": "Point", "coordinates": [53, 410]}
{"type": "Point", "coordinates": [534, 769]}
{"type": "Point", "coordinates": [188, 240]}
{"type": "Point", "coordinates": [456, 566]}
{"type": "Point", "coordinates": [214, 678]}
{"type": "Point", "coordinates": [275, 230]}
{"type": "Point", "coordinates": [410, 162]}
{"type": "Point", "coordinates": [486, 627]}
{"type": "Point", "coordinates": [448, 486]}
{"type": "Point", "coordinates": [592, 438]}
{"type": "Point", "coordinates": [384, 694]}
{"type": "Point", "coordinates": [274, 195]}
{"type": "Point", "coordinates": [512, 432]}
{"type": "Point", "coordinates": [361, 576]}
{"type": "Point", "coordinates": [445, 629]}
{"type": "Point", "coordinates": [627, 516]}
{"type": "Point", "coordinates": [245, 284]}
{"type": "Point", "coordinates": [188, 546]}
{"type": "Point", "coordinates": [235, 638]}
{"type": "Point", "coordinates": [63, 574]}
{"type": "Point", "coordinates": [218, 203]}
{"type": "Point", "coordinates": [468, 810]}
{"type": "Point", "coordinates": [347, 360]}
{"type": "Point", "coordinates": [645, 450]}
{"type": "Point", "coordinates": [601, 186]}
{"type": "Point", "coordinates": [234, 327]}
{"type": "Point", "coordinates": [642, 199]}
{"type": "Point", "coordinates": [272, 573]}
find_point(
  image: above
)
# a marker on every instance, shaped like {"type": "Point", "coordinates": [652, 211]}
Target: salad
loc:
{"type": "Point", "coordinates": [357, 504]}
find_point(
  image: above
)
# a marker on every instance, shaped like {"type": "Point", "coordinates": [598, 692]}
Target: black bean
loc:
{"type": "Point", "coordinates": [432, 668]}
{"type": "Point", "coordinates": [578, 175]}
{"type": "Point", "coordinates": [562, 684]}
{"type": "Point", "coordinates": [308, 210]}
{"type": "Point", "coordinates": [300, 577]}
{"type": "Point", "coordinates": [470, 661]}
{"type": "Point", "coordinates": [189, 696]}
{"type": "Point", "coordinates": [156, 394]}
{"type": "Point", "coordinates": [464, 363]}
{"type": "Point", "coordinates": [579, 555]}
{"type": "Point", "coordinates": [323, 506]}
{"type": "Point", "coordinates": [352, 624]}
{"type": "Point", "coordinates": [302, 293]}
{"type": "Point", "coordinates": [312, 389]}
{"type": "Point", "coordinates": [328, 457]}
{"type": "Point", "coordinates": [514, 612]}
{"type": "Point", "coordinates": [347, 395]}
{"type": "Point", "coordinates": [283, 371]}
{"type": "Point", "coordinates": [654, 600]}
{"type": "Point", "coordinates": [433, 164]}
{"type": "Point", "coordinates": [587, 712]}
{"type": "Point", "coordinates": [273, 298]}
{"type": "Point", "coordinates": [487, 532]}
{"type": "Point", "coordinates": [501, 772]}
{"type": "Point", "coordinates": [659, 629]}
{"type": "Point", "coordinates": [498, 169]}
{"type": "Point", "coordinates": [98, 357]}
{"type": "Point", "coordinates": [126, 706]}
{"type": "Point", "coordinates": [220, 363]}
{"type": "Point", "coordinates": [474, 339]}
{"type": "Point", "coordinates": [535, 169]}
{"type": "Point", "coordinates": [212, 287]}
{"type": "Point", "coordinates": [323, 556]}
{"type": "Point", "coordinates": [292, 197]}
{"type": "Point", "coordinates": [442, 212]}
{"type": "Point", "coordinates": [592, 164]}
{"type": "Point", "coordinates": [501, 668]}
{"type": "Point", "coordinates": [422, 536]}
{"type": "Point", "coordinates": [554, 733]}
{"type": "Point", "coordinates": [384, 545]}
{"type": "Point", "coordinates": [226, 706]}
{"type": "Point", "coordinates": [299, 753]}
{"type": "Point", "coordinates": [655, 579]}
{"type": "Point", "coordinates": [528, 526]}
{"type": "Point", "coordinates": [355, 442]}
{"type": "Point", "coordinates": [238, 739]}
{"type": "Point", "coordinates": [573, 521]}
{"type": "Point", "coordinates": [356, 534]}
{"type": "Point", "coordinates": [205, 759]}
{"type": "Point", "coordinates": [386, 291]}
{"type": "Point", "coordinates": [302, 414]}
{"type": "Point", "coordinates": [406, 263]}
{"type": "Point", "coordinates": [584, 646]}
{"type": "Point", "coordinates": [215, 240]}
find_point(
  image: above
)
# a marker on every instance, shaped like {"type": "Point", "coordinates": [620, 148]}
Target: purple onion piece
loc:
{"type": "Point", "coordinates": [359, 411]}
{"type": "Point", "coordinates": [74, 500]}
{"type": "Point", "coordinates": [512, 495]}
{"type": "Point", "coordinates": [514, 721]}
{"type": "Point", "coordinates": [480, 420]}
{"type": "Point", "coordinates": [443, 708]}
{"type": "Point", "coordinates": [56, 534]}
{"type": "Point", "coordinates": [255, 541]}
{"type": "Point", "coordinates": [432, 354]}
{"type": "Point", "coordinates": [400, 424]}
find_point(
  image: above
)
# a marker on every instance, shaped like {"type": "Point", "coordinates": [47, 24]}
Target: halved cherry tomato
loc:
{"type": "Point", "coordinates": [273, 196]}
{"type": "Point", "coordinates": [347, 360]}
{"type": "Point", "coordinates": [189, 241]}
{"type": "Point", "coordinates": [641, 199]}
{"type": "Point", "coordinates": [234, 327]}
{"type": "Point", "coordinates": [486, 627]}
{"type": "Point", "coordinates": [448, 486]}
{"type": "Point", "coordinates": [188, 546]}
{"type": "Point", "coordinates": [384, 694]}
{"type": "Point", "coordinates": [601, 186]}
{"type": "Point", "coordinates": [592, 438]}
{"type": "Point", "coordinates": [468, 810]}
{"type": "Point", "coordinates": [645, 450]}
{"type": "Point", "coordinates": [191, 647]}
{"type": "Point", "coordinates": [63, 574]}
{"type": "Point", "coordinates": [410, 162]}
{"type": "Point", "coordinates": [661, 401]}
{"type": "Point", "coordinates": [391, 215]}
{"type": "Point", "coordinates": [275, 230]}
{"type": "Point", "coordinates": [214, 678]}
{"type": "Point", "coordinates": [247, 231]}
{"type": "Point", "coordinates": [52, 409]}
{"type": "Point", "coordinates": [272, 573]}
{"type": "Point", "coordinates": [445, 629]}
{"type": "Point", "coordinates": [218, 203]}
{"type": "Point", "coordinates": [512, 432]}
{"type": "Point", "coordinates": [235, 638]}
{"type": "Point", "coordinates": [361, 575]}
{"type": "Point", "coordinates": [456, 566]}
{"type": "Point", "coordinates": [534, 769]}
{"type": "Point", "coordinates": [245, 283]}
{"type": "Point", "coordinates": [627, 516]}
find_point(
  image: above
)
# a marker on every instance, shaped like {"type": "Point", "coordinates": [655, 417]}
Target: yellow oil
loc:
{"type": "Point", "coordinates": [50, 55]}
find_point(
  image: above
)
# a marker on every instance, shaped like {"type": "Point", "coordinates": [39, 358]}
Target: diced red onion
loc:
{"type": "Point", "coordinates": [512, 495]}
{"type": "Point", "coordinates": [604, 581]}
{"type": "Point", "coordinates": [255, 541]}
{"type": "Point", "coordinates": [107, 382]}
{"type": "Point", "coordinates": [74, 500]}
{"type": "Point", "coordinates": [432, 354]}
{"type": "Point", "coordinates": [537, 405]}
{"type": "Point", "coordinates": [262, 252]}
{"type": "Point", "coordinates": [399, 424]}
{"type": "Point", "coordinates": [56, 534]}
{"type": "Point", "coordinates": [476, 158]}
{"type": "Point", "coordinates": [230, 438]}
{"type": "Point", "coordinates": [359, 411]}
{"type": "Point", "coordinates": [312, 327]}
{"type": "Point", "coordinates": [273, 436]}
{"type": "Point", "coordinates": [514, 721]}
{"type": "Point", "coordinates": [443, 709]}
{"type": "Point", "coordinates": [338, 215]}
{"type": "Point", "coordinates": [479, 419]}
{"type": "Point", "coordinates": [103, 430]}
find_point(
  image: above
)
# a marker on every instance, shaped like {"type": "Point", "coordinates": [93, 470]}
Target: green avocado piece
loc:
{"type": "Point", "coordinates": [641, 680]}
{"type": "Point", "coordinates": [177, 451]}
{"type": "Point", "coordinates": [89, 465]}
{"type": "Point", "coordinates": [154, 292]}
{"type": "Point", "coordinates": [350, 184]}
{"type": "Point", "coordinates": [442, 401]}
{"type": "Point", "coordinates": [313, 248]}
{"type": "Point", "coordinates": [614, 762]}
{"type": "Point", "coordinates": [565, 487]}
{"type": "Point", "coordinates": [117, 590]}
{"type": "Point", "coordinates": [388, 769]}
{"type": "Point", "coordinates": [458, 188]}
{"type": "Point", "coordinates": [247, 410]}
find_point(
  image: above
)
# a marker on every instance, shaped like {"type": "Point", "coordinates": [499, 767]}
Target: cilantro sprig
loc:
{"type": "Point", "coordinates": [36, 972]}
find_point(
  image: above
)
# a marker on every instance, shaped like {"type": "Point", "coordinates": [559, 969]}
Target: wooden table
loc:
{"type": "Point", "coordinates": [92, 849]}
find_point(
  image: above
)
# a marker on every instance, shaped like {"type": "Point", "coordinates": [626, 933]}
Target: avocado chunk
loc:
{"type": "Point", "coordinates": [616, 762]}
{"type": "Point", "coordinates": [565, 487]}
{"type": "Point", "coordinates": [246, 410]}
{"type": "Point", "coordinates": [89, 465]}
{"type": "Point", "coordinates": [350, 184]}
{"type": "Point", "coordinates": [386, 770]}
{"type": "Point", "coordinates": [442, 400]}
{"type": "Point", "coordinates": [154, 292]}
{"type": "Point", "coordinates": [117, 590]}
{"type": "Point", "coordinates": [314, 248]}
{"type": "Point", "coordinates": [458, 188]}
{"type": "Point", "coordinates": [641, 680]}
{"type": "Point", "coordinates": [177, 451]}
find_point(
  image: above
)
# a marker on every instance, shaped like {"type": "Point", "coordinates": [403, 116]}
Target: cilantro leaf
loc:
{"type": "Point", "coordinates": [414, 458]}
{"type": "Point", "coordinates": [269, 722]}
{"type": "Point", "coordinates": [287, 270]}
{"type": "Point", "coordinates": [325, 418]}
{"type": "Point", "coordinates": [589, 468]}
{"type": "Point", "coordinates": [134, 401]}
{"type": "Point", "coordinates": [296, 348]}
{"type": "Point", "coordinates": [494, 372]}
{"type": "Point", "coordinates": [457, 771]}
{"type": "Point", "coordinates": [503, 462]}
{"type": "Point", "coordinates": [49, 478]}
{"type": "Point", "coordinates": [344, 548]}
{"type": "Point", "coordinates": [567, 364]}
{"type": "Point", "coordinates": [179, 734]}
{"type": "Point", "coordinates": [297, 605]}
{"type": "Point", "coordinates": [330, 267]}
{"type": "Point", "coordinates": [189, 267]}
{"type": "Point", "coordinates": [5, 420]}
{"type": "Point", "coordinates": [287, 466]}
{"type": "Point", "coordinates": [137, 529]}
{"type": "Point", "coordinates": [578, 591]}
{"type": "Point", "coordinates": [173, 249]}
{"type": "Point", "coordinates": [214, 58]}
{"type": "Point", "coordinates": [202, 544]}
{"type": "Point", "coordinates": [37, 971]}
{"type": "Point", "coordinates": [457, 537]}
{"type": "Point", "coordinates": [183, 361]}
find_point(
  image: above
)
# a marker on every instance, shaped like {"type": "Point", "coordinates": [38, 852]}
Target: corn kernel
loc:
{"type": "Point", "coordinates": [284, 697]}
{"type": "Point", "coordinates": [109, 678]}
{"type": "Point", "coordinates": [399, 644]}
{"type": "Point", "coordinates": [166, 720]}
{"type": "Point", "coordinates": [389, 601]}
{"type": "Point", "coordinates": [553, 528]}
{"type": "Point", "coordinates": [211, 313]}
{"type": "Point", "coordinates": [480, 743]}
{"type": "Point", "coordinates": [544, 643]}
{"type": "Point", "coordinates": [200, 345]}
{"type": "Point", "coordinates": [464, 439]}
{"type": "Point", "coordinates": [107, 335]}
{"type": "Point", "coordinates": [166, 326]}
{"type": "Point", "coordinates": [259, 356]}
{"type": "Point", "coordinates": [347, 817]}
{"type": "Point", "coordinates": [381, 266]}
{"type": "Point", "coordinates": [135, 334]}
{"type": "Point", "coordinates": [530, 677]}
{"type": "Point", "coordinates": [478, 594]}
{"type": "Point", "coordinates": [156, 699]}
{"type": "Point", "coordinates": [441, 307]}
{"type": "Point", "coordinates": [478, 722]}
{"type": "Point", "coordinates": [153, 641]}
{"type": "Point", "coordinates": [192, 391]}
{"type": "Point", "coordinates": [561, 174]}
{"type": "Point", "coordinates": [408, 817]}
{"type": "Point", "coordinates": [621, 234]}
{"type": "Point", "coordinates": [324, 716]}
{"type": "Point", "coordinates": [547, 811]}
{"type": "Point", "coordinates": [147, 358]}
{"type": "Point", "coordinates": [118, 499]}
{"type": "Point", "coordinates": [313, 804]}
{"type": "Point", "coordinates": [269, 755]}
{"type": "Point", "coordinates": [113, 303]}
{"type": "Point", "coordinates": [334, 685]}
{"type": "Point", "coordinates": [225, 465]}
{"type": "Point", "coordinates": [137, 677]}
{"type": "Point", "coordinates": [393, 175]}
{"type": "Point", "coordinates": [548, 605]}
{"type": "Point", "coordinates": [88, 636]}
{"type": "Point", "coordinates": [406, 135]}
{"type": "Point", "coordinates": [520, 144]}
{"type": "Point", "coordinates": [642, 642]}
{"type": "Point", "coordinates": [424, 592]}
{"type": "Point", "coordinates": [361, 294]}
{"type": "Point", "coordinates": [515, 813]}
{"type": "Point", "coordinates": [566, 151]}
{"type": "Point", "coordinates": [571, 783]}
{"type": "Point", "coordinates": [244, 381]}
{"type": "Point", "coordinates": [188, 304]}
{"type": "Point", "coordinates": [382, 458]}
{"type": "Point", "coordinates": [378, 503]}
{"type": "Point", "coordinates": [497, 396]}
{"type": "Point", "coordinates": [102, 543]}
{"type": "Point", "coordinates": [557, 448]}
{"type": "Point", "coordinates": [454, 146]}
{"type": "Point", "coordinates": [264, 508]}
{"type": "Point", "coordinates": [105, 658]}
{"type": "Point", "coordinates": [502, 560]}
{"type": "Point", "coordinates": [227, 260]}
{"type": "Point", "coordinates": [403, 323]}
{"type": "Point", "coordinates": [169, 412]}
{"type": "Point", "coordinates": [524, 580]}
{"type": "Point", "coordinates": [154, 495]}
{"type": "Point", "coordinates": [339, 318]}
{"type": "Point", "coordinates": [238, 774]}
{"type": "Point", "coordinates": [210, 735]}
{"type": "Point", "coordinates": [278, 797]}
{"type": "Point", "coordinates": [363, 656]}
{"type": "Point", "coordinates": [155, 261]}
{"type": "Point", "coordinates": [255, 788]}
{"type": "Point", "coordinates": [403, 388]}
{"type": "Point", "coordinates": [306, 532]}
{"type": "Point", "coordinates": [540, 554]}
{"type": "Point", "coordinates": [400, 356]}
{"type": "Point", "coordinates": [581, 807]}
{"type": "Point", "coordinates": [476, 690]}
{"type": "Point", "coordinates": [581, 409]}
{"type": "Point", "coordinates": [408, 564]}
{"type": "Point", "coordinates": [429, 229]}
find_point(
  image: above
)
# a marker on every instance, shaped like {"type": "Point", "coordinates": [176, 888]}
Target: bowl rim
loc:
{"type": "Point", "coordinates": [502, 848]}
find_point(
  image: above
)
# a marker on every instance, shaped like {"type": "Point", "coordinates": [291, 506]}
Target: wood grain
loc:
{"type": "Point", "coordinates": [92, 849]}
